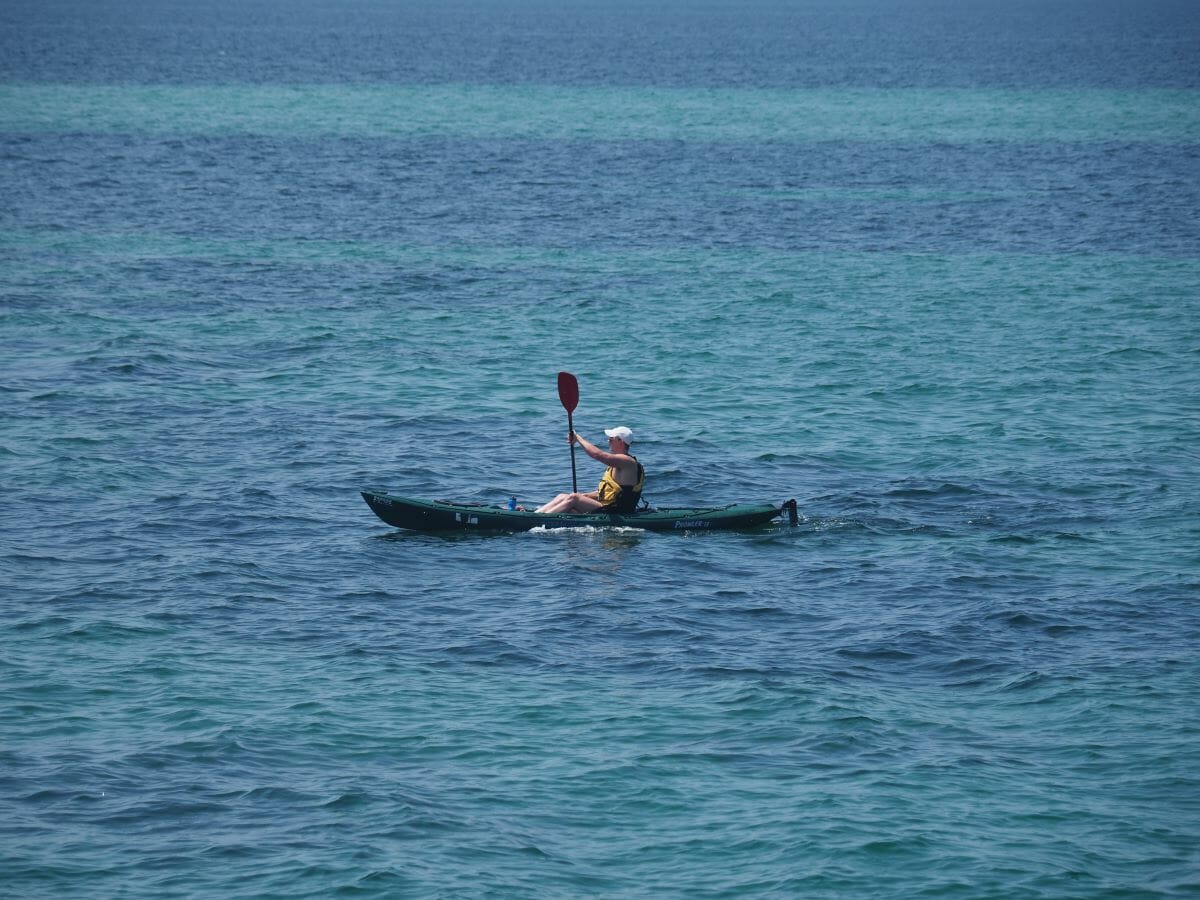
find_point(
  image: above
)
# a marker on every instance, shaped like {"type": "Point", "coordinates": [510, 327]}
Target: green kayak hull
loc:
{"type": "Point", "coordinates": [441, 515]}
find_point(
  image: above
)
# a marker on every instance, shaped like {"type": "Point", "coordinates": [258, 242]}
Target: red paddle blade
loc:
{"type": "Point", "coordinates": [568, 391]}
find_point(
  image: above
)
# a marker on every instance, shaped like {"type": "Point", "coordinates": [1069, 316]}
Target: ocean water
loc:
{"type": "Point", "coordinates": [931, 268]}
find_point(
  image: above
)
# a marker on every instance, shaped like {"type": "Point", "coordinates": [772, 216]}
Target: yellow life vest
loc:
{"type": "Point", "coordinates": [621, 497]}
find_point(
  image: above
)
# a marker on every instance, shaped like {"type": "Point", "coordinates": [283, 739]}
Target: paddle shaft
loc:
{"type": "Point", "coordinates": [571, 430]}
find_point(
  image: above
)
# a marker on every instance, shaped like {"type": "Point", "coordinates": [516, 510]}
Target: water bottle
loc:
{"type": "Point", "coordinates": [512, 502]}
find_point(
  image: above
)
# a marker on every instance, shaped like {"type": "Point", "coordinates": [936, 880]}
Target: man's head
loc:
{"type": "Point", "coordinates": [619, 435]}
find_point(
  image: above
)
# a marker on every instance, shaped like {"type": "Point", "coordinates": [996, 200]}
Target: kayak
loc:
{"type": "Point", "coordinates": [444, 515]}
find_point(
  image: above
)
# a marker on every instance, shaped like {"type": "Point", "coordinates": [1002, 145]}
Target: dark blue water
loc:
{"type": "Point", "coordinates": [976, 197]}
{"type": "Point", "coordinates": [931, 268]}
{"type": "Point", "coordinates": [1110, 44]}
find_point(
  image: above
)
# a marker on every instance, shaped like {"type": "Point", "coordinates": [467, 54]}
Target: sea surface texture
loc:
{"type": "Point", "coordinates": [932, 268]}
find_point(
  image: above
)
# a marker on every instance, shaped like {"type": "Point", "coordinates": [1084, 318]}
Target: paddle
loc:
{"type": "Point", "coordinates": [568, 393]}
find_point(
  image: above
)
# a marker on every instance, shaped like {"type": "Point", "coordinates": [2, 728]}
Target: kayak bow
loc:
{"type": "Point", "coordinates": [444, 515]}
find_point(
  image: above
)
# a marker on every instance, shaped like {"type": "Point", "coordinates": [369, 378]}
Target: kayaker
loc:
{"type": "Point", "coordinates": [620, 488]}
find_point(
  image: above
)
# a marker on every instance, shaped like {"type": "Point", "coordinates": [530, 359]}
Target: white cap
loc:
{"type": "Point", "coordinates": [620, 433]}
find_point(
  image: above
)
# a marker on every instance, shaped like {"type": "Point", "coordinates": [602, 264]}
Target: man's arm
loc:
{"type": "Point", "coordinates": [620, 461]}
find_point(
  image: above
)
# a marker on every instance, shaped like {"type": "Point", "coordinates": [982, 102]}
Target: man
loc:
{"type": "Point", "coordinates": [619, 489]}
